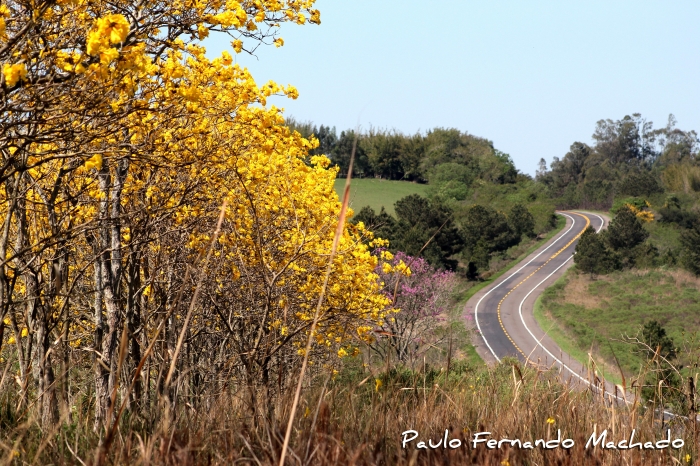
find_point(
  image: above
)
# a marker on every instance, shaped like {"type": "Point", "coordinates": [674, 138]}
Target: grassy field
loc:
{"type": "Point", "coordinates": [583, 314]}
{"type": "Point", "coordinates": [377, 193]}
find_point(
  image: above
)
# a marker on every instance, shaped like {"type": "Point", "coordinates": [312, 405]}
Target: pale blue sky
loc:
{"type": "Point", "coordinates": [532, 76]}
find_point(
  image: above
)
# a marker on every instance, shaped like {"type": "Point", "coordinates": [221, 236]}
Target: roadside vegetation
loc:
{"type": "Point", "coordinates": [358, 416]}
{"type": "Point", "coordinates": [606, 315]}
{"type": "Point", "coordinates": [179, 284]}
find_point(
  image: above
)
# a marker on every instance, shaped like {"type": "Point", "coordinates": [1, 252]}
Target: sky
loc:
{"type": "Point", "coordinates": [531, 76]}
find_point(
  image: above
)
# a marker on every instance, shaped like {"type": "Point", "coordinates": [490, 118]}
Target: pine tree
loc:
{"type": "Point", "coordinates": [690, 241]}
{"type": "Point", "coordinates": [522, 221]}
{"type": "Point", "coordinates": [590, 256]}
{"type": "Point", "coordinates": [625, 230]}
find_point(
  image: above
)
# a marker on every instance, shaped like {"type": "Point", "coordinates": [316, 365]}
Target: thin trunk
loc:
{"type": "Point", "coordinates": [110, 259]}
{"type": "Point", "coordinates": [133, 315]}
{"type": "Point", "coordinates": [101, 373]}
{"type": "Point", "coordinates": [47, 388]}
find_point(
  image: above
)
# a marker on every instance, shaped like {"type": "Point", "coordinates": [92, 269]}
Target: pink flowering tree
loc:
{"type": "Point", "coordinates": [422, 300]}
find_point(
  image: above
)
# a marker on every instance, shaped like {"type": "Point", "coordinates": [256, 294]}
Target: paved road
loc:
{"type": "Point", "coordinates": [503, 311]}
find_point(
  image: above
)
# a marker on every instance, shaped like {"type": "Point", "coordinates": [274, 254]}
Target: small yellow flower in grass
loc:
{"type": "Point", "coordinates": [377, 384]}
{"type": "Point", "coordinates": [550, 420]}
{"type": "Point", "coordinates": [25, 332]}
{"type": "Point", "coordinates": [687, 457]}
{"type": "Point", "coordinates": [342, 353]}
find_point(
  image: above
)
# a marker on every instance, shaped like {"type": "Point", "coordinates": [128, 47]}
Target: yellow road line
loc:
{"type": "Point", "coordinates": [500, 321]}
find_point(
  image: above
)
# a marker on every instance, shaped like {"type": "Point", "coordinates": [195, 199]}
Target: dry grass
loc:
{"type": "Point", "coordinates": [350, 421]}
{"type": "Point", "coordinates": [602, 314]}
{"type": "Point", "coordinates": [576, 291]}
{"type": "Point", "coordinates": [682, 278]}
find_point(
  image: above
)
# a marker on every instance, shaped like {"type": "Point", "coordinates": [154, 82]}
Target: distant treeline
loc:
{"type": "Point", "coordinates": [477, 199]}
{"type": "Point", "coordinates": [628, 158]}
{"type": "Point", "coordinates": [389, 154]}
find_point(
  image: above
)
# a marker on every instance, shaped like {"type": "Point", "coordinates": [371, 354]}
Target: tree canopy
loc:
{"type": "Point", "coordinates": [133, 165]}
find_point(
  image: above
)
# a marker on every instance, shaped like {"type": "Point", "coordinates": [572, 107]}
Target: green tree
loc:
{"type": "Point", "coordinates": [340, 155]}
{"type": "Point", "coordinates": [418, 220]}
{"type": "Point", "coordinates": [522, 221]}
{"type": "Point", "coordinates": [384, 149]}
{"type": "Point", "coordinates": [327, 140]}
{"type": "Point", "coordinates": [630, 139]}
{"type": "Point", "coordinates": [382, 224]}
{"type": "Point", "coordinates": [690, 242]}
{"type": "Point", "coordinates": [591, 255]}
{"type": "Point", "coordinates": [411, 157]}
{"type": "Point", "coordinates": [569, 170]}
{"type": "Point", "coordinates": [451, 181]}
{"type": "Point", "coordinates": [655, 336]}
{"type": "Point", "coordinates": [486, 231]}
{"type": "Point", "coordinates": [663, 377]}
{"type": "Point", "coordinates": [626, 231]}
{"type": "Point", "coordinates": [640, 183]}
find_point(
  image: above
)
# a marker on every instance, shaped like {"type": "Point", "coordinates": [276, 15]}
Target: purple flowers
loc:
{"type": "Point", "coordinates": [423, 300]}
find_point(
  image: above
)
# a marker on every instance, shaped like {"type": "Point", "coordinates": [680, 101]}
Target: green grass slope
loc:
{"type": "Point", "coordinates": [599, 314]}
{"type": "Point", "coordinates": [378, 193]}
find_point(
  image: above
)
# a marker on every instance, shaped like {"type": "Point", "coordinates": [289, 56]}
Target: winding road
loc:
{"type": "Point", "coordinates": [503, 311]}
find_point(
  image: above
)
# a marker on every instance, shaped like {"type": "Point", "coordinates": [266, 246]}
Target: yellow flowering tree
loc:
{"type": "Point", "coordinates": [120, 142]}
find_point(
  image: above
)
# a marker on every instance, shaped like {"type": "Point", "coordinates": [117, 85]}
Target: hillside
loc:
{"type": "Point", "coordinates": [378, 193]}
{"type": "Point", "coordinates": [602, 315]}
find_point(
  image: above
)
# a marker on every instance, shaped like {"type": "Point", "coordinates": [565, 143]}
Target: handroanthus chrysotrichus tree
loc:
{"type": "Point", "coordinates": [120, 143]}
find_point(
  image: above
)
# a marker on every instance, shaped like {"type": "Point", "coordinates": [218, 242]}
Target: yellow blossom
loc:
{"type": "Point", "coordinates": [94, 162]}
{"type": "Point", "coordinates": [202, 32]}
{"type": "Point", "coordinates": [14, 73]}
{"type": "Point", "coordinates": [110, 29]}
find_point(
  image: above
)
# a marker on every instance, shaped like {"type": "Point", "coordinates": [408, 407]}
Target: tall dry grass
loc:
{"type": "Point", "coordinates": [355, 420]}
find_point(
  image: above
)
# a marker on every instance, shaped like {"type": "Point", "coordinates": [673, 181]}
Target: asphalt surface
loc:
{"type": "Point", "coordinates": [503, 311]}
